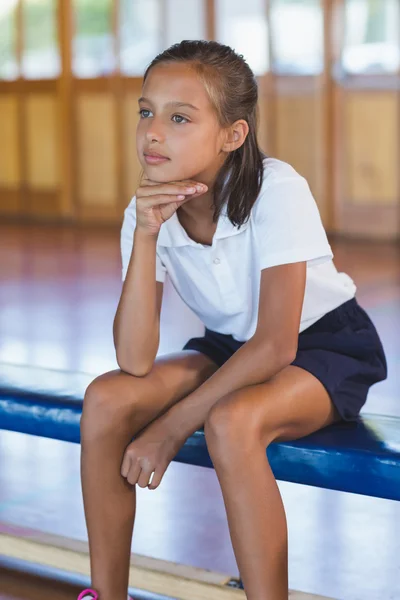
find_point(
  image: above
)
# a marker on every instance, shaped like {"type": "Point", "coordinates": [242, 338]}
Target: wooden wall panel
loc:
{"type": "Point", "coordinates": [95, 163]}
{"type": "Point", "coordinates": [263, 136]}
{"type": "Point", "coordinates": [265, 111]}
{"type": "Point", "coordinates": [9, 147]}
{"type": "Point", "coordinates": [132, 167]}
{"type": "Point", "coordinates": [42, 145]}
{"type": "Point", "coordinates": [299, 140]}
{"type": "Point", "coordinates": [10, 202]}
{"type": "Point", "coordinates": [371, 135]}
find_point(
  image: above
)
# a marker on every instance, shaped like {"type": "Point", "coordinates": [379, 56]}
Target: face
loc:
{"type": "Point", "coordinates": [178, 121]}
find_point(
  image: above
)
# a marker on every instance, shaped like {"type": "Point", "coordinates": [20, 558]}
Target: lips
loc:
{"type": "Point", "coordinates": [155, 155]}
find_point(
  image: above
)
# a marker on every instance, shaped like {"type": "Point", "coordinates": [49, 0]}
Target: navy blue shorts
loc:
{"type": "Point", "coordinates": [342, 349]}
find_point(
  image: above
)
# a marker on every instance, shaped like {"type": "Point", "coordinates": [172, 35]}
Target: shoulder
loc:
{"type": "Point", "coordinates": [276, 170]}
{"type": "Point", "coordinates": [128, 223]}
{"type": "Point", "coordinates": [286, 219]}
{"type": "Point", "coordinates": [129, 219]}
{"type": "Point", "coordinates": [131, 208]}
{"type": "Point", "coordinates": [283, 190]}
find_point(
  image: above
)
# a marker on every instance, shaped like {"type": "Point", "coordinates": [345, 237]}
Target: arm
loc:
{"type": "Point", "coordinates": [137, 320]}
{"type": "Point", "coordinates": [272, 347]}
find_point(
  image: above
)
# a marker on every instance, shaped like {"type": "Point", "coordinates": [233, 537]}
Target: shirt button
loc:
{"type": "Point", "coordinates": [217, 261]}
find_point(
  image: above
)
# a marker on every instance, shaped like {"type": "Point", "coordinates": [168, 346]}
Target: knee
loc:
{"type": "Point", "coordinates": [225, 425]}
{"type": "Point", "coordinates": [105, 409]}
{"type": "Point", "coordinates": [231, 429]}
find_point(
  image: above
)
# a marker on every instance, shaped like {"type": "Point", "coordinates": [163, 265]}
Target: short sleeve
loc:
{"type": "Point", "coordinates": [127, 231]}
{"type": "Point", "coordinates": [288, 224]}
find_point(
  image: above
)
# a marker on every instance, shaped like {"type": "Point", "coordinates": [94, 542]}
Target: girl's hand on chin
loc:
{"type": "Point", "coordinates": [157, 202]}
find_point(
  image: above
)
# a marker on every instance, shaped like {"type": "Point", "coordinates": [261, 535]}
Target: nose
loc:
{"type": "Point", "coordinates": [155, 132]}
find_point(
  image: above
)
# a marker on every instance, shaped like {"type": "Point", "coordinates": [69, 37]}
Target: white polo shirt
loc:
{"type": "Point", "coordinates": [221, 282]}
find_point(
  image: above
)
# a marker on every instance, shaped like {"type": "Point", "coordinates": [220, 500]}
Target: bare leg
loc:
{"type": "Point", "coordinates": [117, 406]}
{"type": "Point", "coordinates": [238, 429]}
{"type": "Point", "coordinates": [110, 505]}
{"type": "Point", "coordinates": [257, 524]}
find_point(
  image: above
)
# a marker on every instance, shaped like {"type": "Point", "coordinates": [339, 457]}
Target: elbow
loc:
{"type": "Point", "coordinates": [282, 353]}
{"type": "Point", "coordinates": [288, 357]}
{"type": "Point", "coordinates": [135, 371]}
{"type": "Point", "coordinates": [285, 354]}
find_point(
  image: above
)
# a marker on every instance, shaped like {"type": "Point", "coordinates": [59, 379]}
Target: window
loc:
{"type": "Point", "coordinates": [93, 50]}
{"type": "Point", "coordinates": [185, 20]}
{"type": "Point", "coordinates": [242, 24]}
{"type": "Point", "coordinates": [372, 37]}
{"type": "Point", "coordinates": [297, 35]}
{"type": "Point", "coordinates": [143, 33]}
{"type": "Point", "coordinates": [140, 34]}
{"type": "Point", "coordinates": [8, 28]}
{"type": "Point", "coordinates": [40, 57]}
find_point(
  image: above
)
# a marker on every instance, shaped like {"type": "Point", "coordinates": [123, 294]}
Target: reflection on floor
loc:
{"type": "Point", "coordinates": [58, 295]}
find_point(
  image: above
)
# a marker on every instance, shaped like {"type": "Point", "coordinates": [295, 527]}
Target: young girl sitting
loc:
{"type": "Point", "coordinates": [287, 348]}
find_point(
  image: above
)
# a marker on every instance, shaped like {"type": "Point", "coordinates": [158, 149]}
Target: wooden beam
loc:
{"type": "Point", "coordinates": [210, 19]}
{"type": "Point", "coordinates": [152, 575]}
{"type": "Point", "coordinates": [334, 22]}
{"type": "Point", "coordinates": [19, 38]}
{"type": "Point", "coordinates": [67, 130]}
{"type": "Point", "coordinates": [118, 98]}
{"type": "Point", "coordinates": [270, 86]}
{"type": "Point", "coordinates": [21, 111]}
{"type": "Point", "coordinates": [331, 56]}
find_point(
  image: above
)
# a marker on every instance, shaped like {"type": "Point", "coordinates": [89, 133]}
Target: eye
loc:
{"type": "Point", "coordinates": [142, 111]}
{"type": "Point", "coordinates": [180, 117]}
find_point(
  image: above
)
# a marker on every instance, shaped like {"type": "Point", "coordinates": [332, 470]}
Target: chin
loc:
{"type": "Point", "coordinates": [156, 174]}
{"type": "Point", "coordinates": [162, 173]}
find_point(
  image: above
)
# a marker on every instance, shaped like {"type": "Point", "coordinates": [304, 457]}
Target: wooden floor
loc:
{"type": "Point", "coordinates": [22, 585]}
{"type": "Point", "coordinates": [59, 289]}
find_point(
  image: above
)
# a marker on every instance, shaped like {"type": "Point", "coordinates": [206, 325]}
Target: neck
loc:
{"type": "Point", "coordinates": [199, 209]}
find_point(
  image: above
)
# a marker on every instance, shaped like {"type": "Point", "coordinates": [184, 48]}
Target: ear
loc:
{"type": "Point", "coordinates": [236, 135]}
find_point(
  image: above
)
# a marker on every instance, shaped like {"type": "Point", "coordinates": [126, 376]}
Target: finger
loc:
{"type": "Point", "coordinates": [157, 477]}
{"type": "Point", "coordinates": [189, 182]}
{"type": "Point", "coordinates": [180, 182]}
{"type": "Point", "coordinates": [172, 187]}
{"type": "Point", "coordinates": [157, 200]}
{"type": "Point", "coordinates": [134, 472]}
{"type": "Point", "coordinates": [126, 464]}
{"type": "Point", "coordinates": [152, 183]}
{"type": "Point", "coordinates": [167, 190]}
{"type": "Point", "coordinates": [144, 477]}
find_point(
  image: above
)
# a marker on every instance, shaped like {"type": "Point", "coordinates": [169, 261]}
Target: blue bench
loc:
{"type": "Point", "coordinates": [361, 457]}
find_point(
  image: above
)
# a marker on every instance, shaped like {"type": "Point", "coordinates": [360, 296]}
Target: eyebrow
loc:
{"type": "Point", "coordinates": [177, 104]}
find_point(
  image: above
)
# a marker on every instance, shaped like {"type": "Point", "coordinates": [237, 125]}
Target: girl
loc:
{"type": "Point", "coordinates": [287, 349]}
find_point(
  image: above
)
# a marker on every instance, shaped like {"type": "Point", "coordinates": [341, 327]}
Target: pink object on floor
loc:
{"type": "Point", "coordinates": [88, 594]}
{"type": "Point", "coordinates": [91, 595]}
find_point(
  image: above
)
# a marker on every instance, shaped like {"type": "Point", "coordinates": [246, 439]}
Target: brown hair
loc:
{"type": "Point", "coordinates": [232, 88]}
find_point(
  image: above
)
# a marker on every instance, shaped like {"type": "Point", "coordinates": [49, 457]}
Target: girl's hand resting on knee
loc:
{"type": "Point", "coordinates": [152, 450]}
{"type": "Point", "coordinates": [157, 202]}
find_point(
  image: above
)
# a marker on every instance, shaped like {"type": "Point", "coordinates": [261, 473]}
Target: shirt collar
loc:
{"type": "Point", "coordinates": [172, 233]}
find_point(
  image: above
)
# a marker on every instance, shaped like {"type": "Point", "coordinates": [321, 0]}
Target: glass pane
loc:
{"type": "Point", "coordinates": [41, 57]}
{"type": "Point", "coordinates": [185, 21]}
{"type": "Point", "coordinates": [372, 36]}
{"type": "Point", "coordinates": [93, 53]}
{"type": "Point", "coordinates": [8, 61]}
{"type": "Point", "coordinates": [243, 26]}
{"type": "Point", "coordinates": [140, 34]}
{"type": "Point", "coordinates": [297, 36]}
